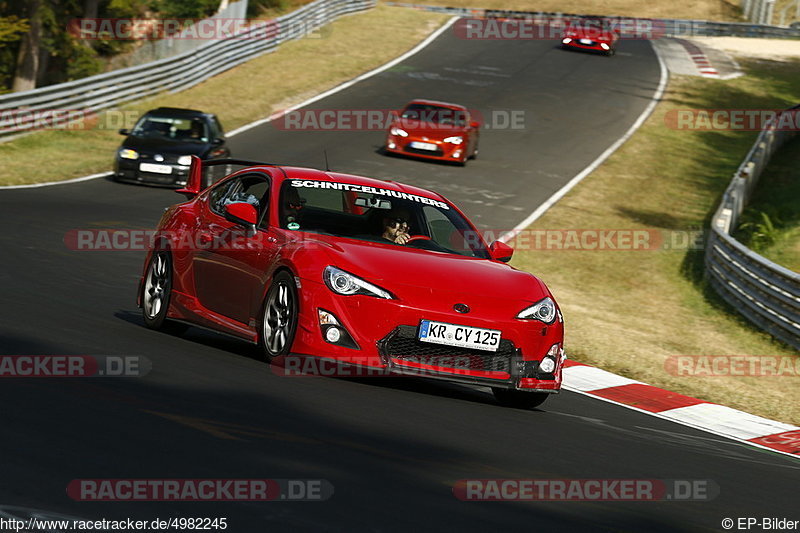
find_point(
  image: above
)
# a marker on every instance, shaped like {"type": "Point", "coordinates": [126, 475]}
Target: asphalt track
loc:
{"type": "Point", "coordinates": [392, 448]}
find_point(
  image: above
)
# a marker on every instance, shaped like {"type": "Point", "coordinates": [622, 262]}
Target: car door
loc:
{"type": "Point", "coordinates": [230, 264]}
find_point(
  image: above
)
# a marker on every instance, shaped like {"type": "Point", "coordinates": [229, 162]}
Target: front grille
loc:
{"type": "Point", "coordinates": [402, 344]}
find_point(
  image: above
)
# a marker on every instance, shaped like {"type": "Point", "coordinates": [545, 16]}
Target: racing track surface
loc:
{"type": "Point", "coordinates": [211, 408]}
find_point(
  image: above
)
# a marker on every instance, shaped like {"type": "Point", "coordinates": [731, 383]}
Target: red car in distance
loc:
{"type": "Point", "coordinates": [299, 261]}
{"type": "Point", "coordinates": [590, 34]}
{"type": "Point", "coordinates": [434, 130]}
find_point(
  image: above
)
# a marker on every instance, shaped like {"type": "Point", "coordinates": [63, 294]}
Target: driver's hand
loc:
{"type": "Point", "coordinates": [402, 238]}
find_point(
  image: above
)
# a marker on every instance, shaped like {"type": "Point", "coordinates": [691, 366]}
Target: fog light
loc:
{"type": "Point", "coordinates": [391, 146]}
{"type": "Point", "coordinates": [566, 40]}
{"type": "Point", "coordinates": [604, 46]}
{"type": "Point", "coordinates": [333, 334]}
{"type": "Point", "coordinates": [547, 366]}
{"type": "Point", "coordinates": [457, 154]}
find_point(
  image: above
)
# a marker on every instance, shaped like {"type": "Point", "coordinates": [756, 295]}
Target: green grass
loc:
{"type": "Point", "coordinates": [299, 69]}
{"type": "Point", "coordinates": [777, 197]}
{"type": "Point", "coordinates": [629, 311]}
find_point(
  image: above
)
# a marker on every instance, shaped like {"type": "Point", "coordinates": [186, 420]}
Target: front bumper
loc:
{"type": "Point", "coordinates": [128, 170]}
{"type": "Point", "coordinates": [386, 332]}
{"type": "Point", "coordinates": [444, 151]}
{"type": "Point", "coordinates": [594, 46]}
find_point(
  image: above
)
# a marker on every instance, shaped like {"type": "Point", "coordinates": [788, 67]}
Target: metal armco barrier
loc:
{"type": "Point", "coordinates": [665, 27]}
{"type": "Point", "coordinates": [767, 294]}
{"type": "Point", "coordinates": [175, 73]}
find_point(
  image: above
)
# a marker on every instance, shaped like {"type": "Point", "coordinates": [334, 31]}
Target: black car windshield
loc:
{"type": "Point", "coordinates": [375, 214]}
{"type": "Point", "coordinates": [172, 128]}
{"type": "Point", "coordinates": [435, 114]}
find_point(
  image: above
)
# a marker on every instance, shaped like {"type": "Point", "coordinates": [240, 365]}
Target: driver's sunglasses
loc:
{"type": "Point", "coordinates": [394, 222]}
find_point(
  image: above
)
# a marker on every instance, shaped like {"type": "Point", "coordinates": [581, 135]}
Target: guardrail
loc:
{"type": "Point", "coordinates": [663, 27]}
{"type": "Point", "coordinates": [767, 294]}
{"type": "Point", "coordinates": [172, 74]}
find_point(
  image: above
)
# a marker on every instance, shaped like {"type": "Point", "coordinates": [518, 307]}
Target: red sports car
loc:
{"type": "Point", "coordinates": [590, 34]}
{"type": "Point", "coordinates": [434, 130]}
{"type": "Point", "coordinates": [357, 271]}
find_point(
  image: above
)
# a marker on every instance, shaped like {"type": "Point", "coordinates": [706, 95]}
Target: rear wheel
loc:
{"type": "Point", "coordinates": [519, 399]}
{"type": "Point", "coordinates": [279, 323]}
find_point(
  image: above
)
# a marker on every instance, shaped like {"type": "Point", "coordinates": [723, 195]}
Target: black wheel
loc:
{"type": "Point", "coordinates": [156, 291]}
{"type": "Point", "coordinates": [610, 52]}
{"type": "Point", "coordinates": [519, 399]}
{"type": "Point", "coordinates": [279, 322]}
{"type": "Point", "coordinates": [474, 152]}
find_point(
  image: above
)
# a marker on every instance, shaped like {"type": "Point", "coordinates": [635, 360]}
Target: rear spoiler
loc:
{"type": "Point", "coordinates": [194, 184]}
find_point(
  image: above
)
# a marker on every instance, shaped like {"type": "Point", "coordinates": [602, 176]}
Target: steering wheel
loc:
{"type": "Point", "coordinates": [413, 238]}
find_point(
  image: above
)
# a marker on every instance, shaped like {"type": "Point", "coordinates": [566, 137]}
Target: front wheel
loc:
{"type": "Point", "coordinates": [519, 399]}
{"type": "Point", "coordinates": [279, 322]}
{"type": "Point", "coordinates": [156, 289]}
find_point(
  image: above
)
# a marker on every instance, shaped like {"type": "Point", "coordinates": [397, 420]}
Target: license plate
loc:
{"type": "Point", "coordinates": [157, 169]}
{"type": "Point", "coordinates": [586, 41]}
{"type": "Point", "coordinates": [459, 336]}
{"type": "Point", "coordinates": [423, 146]}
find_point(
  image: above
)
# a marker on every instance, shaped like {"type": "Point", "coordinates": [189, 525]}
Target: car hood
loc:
{"type": "Point", "coordinates": [432, 130]}
{"type": "Point", "coordinates": [149, 145]}
{"type": "Point", "coordinates": [594, 35]}
{"type": "Point", "coordinates": [409, 270]}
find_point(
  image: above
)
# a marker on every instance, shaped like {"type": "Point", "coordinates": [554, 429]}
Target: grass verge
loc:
{"type": "Point", "coordinates": [721, 10]}
{"type": "Point", "coordinates": [629, 311]}
{"type": "Point", "coordinates": [778, 197]}
{"type": "Point", "coordinates": [297, 70]}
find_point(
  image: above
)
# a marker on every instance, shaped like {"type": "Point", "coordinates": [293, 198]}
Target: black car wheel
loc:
{"type": "Point", "coordinates": [279, 322]}
{"type": "Point", "coordinates": [519, 399]}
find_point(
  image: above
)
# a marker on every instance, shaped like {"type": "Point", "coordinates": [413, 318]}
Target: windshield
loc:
{"type": "Point", "coordinates": [435, 114]}
{"type": "Point", "coordinates": [377, 215]}
{"type": "Point", "coordinates": [172, 128]}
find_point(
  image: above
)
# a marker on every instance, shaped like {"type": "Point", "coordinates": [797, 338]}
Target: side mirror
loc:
{"type": "Point", "coordinates": [500, 251]}
{"type": "Point", "coordinates": [243, 214]}
{"type": "Point", "coordinates": [475, 124]}
{"type": "Point", "coordinates": [124, 131]}
{"type": "Point", "coordinates": [218, 141]}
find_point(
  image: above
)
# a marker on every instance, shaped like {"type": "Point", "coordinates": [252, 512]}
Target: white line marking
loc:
{"type": "Point", "coordinates": [246, 127]}
{"type": "Point", "coordinates": [662, 85]}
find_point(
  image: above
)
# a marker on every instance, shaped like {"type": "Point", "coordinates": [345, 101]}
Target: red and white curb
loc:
{"type": "Point", "coordinates": [701, 61]}
{"type": "Point", "coordinates": [699, 414]}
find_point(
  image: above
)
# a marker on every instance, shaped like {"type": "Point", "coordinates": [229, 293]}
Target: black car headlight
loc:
{"type": "Point", "coordinates": [127, 153]}
{"type": "Point", "coordinates": [544, 311]}
{"type": "Point", "coordinates": [345, 283]}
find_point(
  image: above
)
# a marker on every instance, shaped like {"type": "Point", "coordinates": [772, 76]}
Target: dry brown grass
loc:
{"type": "Point", "coordinates": [628, 311]}
{"type": "Point", "coordinates": [723, 10]}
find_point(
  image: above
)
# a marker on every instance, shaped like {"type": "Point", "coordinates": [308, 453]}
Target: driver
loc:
{"type": "Point", "coordinates": [291, 208]}
{"type": "Point", "coordinates": [395, 227]}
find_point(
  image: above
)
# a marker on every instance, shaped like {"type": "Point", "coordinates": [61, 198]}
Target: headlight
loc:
{"type": "Point", "coordinates": [543, 310]}
{"type": "Point", "coordinates": [127, 153]}
{"type": "Point", "coordinates": [604, 46]}
{"type": "Point", "coordinates": [455, 140]}
{"type": "Point", "coordinates": [185, 160]}
{"type": "Point", "coordinates": [342, 282]}
{"type": "Point", "coordinates": [567, 40]}
{"type": "Point", "coordinates": [398, 131]}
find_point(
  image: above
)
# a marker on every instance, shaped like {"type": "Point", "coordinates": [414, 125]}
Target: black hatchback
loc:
{"type": "Point", "coordinates": [158, 150]}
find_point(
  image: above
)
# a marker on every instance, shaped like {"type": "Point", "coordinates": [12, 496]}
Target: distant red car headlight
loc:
{"type": "Point", "coordinates": [398, 131]}
{"type": "Point", "coordinates": [347, 284]}
{"type": "Point", "coordinates": [544, 311]}
{"type": "Point", "coordinates": [457, 139]}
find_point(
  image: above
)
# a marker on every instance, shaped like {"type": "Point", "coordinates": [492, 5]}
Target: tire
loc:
{"type": "Point", "coordinates": [519, 399]}
{"type": "Point", "coordinates": [610, 52]}
{"type": "Point", "coordinates": [156, 292]}
{"type": "Point", "coordinates": [279, 318]}
{"type": "Point", "coordinates": [474, 153]}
